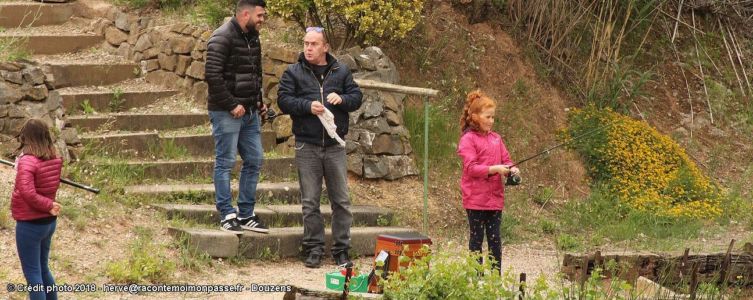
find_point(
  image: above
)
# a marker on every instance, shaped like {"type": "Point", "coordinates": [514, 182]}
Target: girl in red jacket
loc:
{"type": "Point", "coordinates": [485, 164]}
{"type": "Point", "coordinates": [33, 205]}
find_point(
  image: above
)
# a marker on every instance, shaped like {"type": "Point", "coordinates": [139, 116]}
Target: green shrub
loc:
{"type": "Point", "coordinates": [147, 262]}
{"type": "Point", "coordinates": [567, 242]}
{"type": "Point", "coordinates": [350, 22]}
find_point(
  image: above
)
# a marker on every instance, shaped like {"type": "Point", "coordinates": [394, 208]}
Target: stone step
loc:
{"type": "Point", "coordinates": [139, 144]}
{"type": "Point", "coordinates": [101, 100]}
{"type": "Point", "coordinates": [278, 215]}
{"type": "Point", "coordinates": [278, 192]}
{"type": "Point", "coordinates": [137, 122]}
{"type": "Point", "coordinates": [22, 14]}
{"type": "Point", "coordinates": [279, 242]}
{"type": "Point", "coordinates": [67, 74]}
{"type": "Point", "coordinates": [273, 169]}
{"type": "Point", "coordinates": [55, 44]}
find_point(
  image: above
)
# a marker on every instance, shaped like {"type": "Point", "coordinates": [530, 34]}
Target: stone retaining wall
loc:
{"type": "Point", "coordinates": [173, 55]}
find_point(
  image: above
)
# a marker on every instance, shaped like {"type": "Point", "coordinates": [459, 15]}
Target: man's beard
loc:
{"type": "Point", "coordinates": [251, 27]}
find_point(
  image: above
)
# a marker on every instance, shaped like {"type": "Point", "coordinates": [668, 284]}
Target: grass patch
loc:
{"type": "Point", "coordinates": [6, 221]}
{"type": "Point", "coordinates": [147, 262]}
{"type": "Point", "coordinates": [13, 48]}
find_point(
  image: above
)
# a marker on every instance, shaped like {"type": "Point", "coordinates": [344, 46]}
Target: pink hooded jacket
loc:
{"type": "Point", "coordinates": [479, 151]}
{"type": "Point", "coordinates": [37, 183]}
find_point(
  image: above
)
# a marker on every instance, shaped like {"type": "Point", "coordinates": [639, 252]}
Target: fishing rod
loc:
{"type": "Point", "coordinates": [63, 180]}
{"type": "Point", "coordinates": [516, 179]}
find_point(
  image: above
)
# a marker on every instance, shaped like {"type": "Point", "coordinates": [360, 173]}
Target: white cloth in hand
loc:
{"type": "Point", "coordinates": [328, 121]}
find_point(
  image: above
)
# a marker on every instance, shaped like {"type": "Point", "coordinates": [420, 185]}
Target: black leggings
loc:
{"type": "Point", "coordinates": [486, 220]}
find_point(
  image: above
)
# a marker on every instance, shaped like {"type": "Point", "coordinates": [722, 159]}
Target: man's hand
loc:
{"type": "Point", "coordinates": [334, 99]}
{"type": "Point", "coordinates": [263, 109]}
{"type": "Point", "coordinates": [317, 108]}
{"type": "Point", "coordinates": [238, 111]}
{"type": "Point", "coordinates": [55, 209]}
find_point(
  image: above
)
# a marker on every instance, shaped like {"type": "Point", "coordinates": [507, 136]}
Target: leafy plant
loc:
{"type": "Point", "coordinates": [147, 262]}
{"type": "Point", "coordinates": [567, 242]}
{"type": "Point", "coordinates": [86, 107]}
{"type": "Point", "coordinates": [349, 22]}
{"type": "Point", "coordinates": [117, 100]}
{"type": "Point", "coordinates": [13, 48]}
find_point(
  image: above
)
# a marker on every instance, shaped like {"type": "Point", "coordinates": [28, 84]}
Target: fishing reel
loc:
{"type": "Point", "coordinates": [513, 180]}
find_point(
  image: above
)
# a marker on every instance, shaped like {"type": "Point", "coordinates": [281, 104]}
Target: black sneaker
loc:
{"type": "Point", "coordinates": [230, 224]}
{"type": "Point", "coordinates": [314, 260]}
{"type": "Point", "coordinates": [253, 223]}
{"type": "Point", "coordinates": [341, 258]}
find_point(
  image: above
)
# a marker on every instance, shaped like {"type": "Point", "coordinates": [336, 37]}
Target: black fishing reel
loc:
{"type": "Point", "coordinates": [513, 180]}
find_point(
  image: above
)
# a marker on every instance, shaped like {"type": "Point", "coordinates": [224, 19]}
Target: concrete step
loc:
{"type": "Point", "coordinates": [137, 122]}
{"type": "Point", "coordinates": [66, 74]}
{"type": "Point", "coordinates": [279, 192]}
{"type": "Point", "coordinates": [140, 144]}
{"type": "Point", "coordinates": [279, 242]}
{"type": "Point", "coordinates": [22, 14]}
{"type": "Point", "coordinates": [273, 169]}
{"type": "Point", "coordinates": [101, 100]}
{"type": "Point", "coordinates": [55, 44]}
{"type": "Point", "coordinates": [279, 215]}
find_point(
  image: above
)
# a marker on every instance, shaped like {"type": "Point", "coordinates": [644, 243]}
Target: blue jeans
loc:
{"type": "Point", "coordinates": [236, 136]}
{"type": "Point", "coordinates": [33, 245]}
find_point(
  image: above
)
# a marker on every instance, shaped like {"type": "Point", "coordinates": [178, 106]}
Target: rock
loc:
{"type": "Point", "coordinates": [70, 136]}
{"type": "Point", "coordinates": [272, 95]}
{"type": "Point", "coordinates": [375, 166]}
{"type": "Point", "coordinates": [183, 63]}
{"type": "Point", "coordinates": [123, 22]}
{"type": "Point", "coordinates": [109, 49]}
{"type": "Point", "coordinates": [155, 36]}
{"type": "Point", "coordinates": [355, 164]}
{"type": "Point", "coordinates": [365, 62]}
{"type": "Point", "coordinates": [14, 77]}
{"type": "Point", "coordinates": [181, 45]}
{"type": "Point", "coordinates": [372, 109]}
{"type": "Point", "coordinates": [279, 69]}
{"type": "Point", "coordinates": [384, 75]}
{"type": "Point", "coordinates": [164, 78]}
{"type": "Point", "coordinates": [282, 54]}
{"type": "Point", "coordinates": [391, 102]}
{"type": "Point", "coordinates": [4, 111]}
{"type": "Point", "coordinates": [283, 127]}
{"type": "Point", "coordinates": [125, 50]}
{"type": "Point", "coordinates": [168, 62]}
{"type": "Point", "coordinates": [33, 76]}
{"type": "Point", "coordinates": [10, 93]}
{"type": "Point", "coordinates": [189, 30]}
{"type": "Point", "coordinates": [267, 66]}
{"type": "Point", "coordinates": [151, 53]}
{"type": "Point", "coordinates": [267, 82]}
{"type": "Point", "coordinates": [134, 34]}
{"type": "Point", "coordinates": [387, 144]}
{"type": "Point", "coordinates": [198, 55]}
{"type": "Point", "coordinates": [205, 36]}
{"type": "Point", "coordinates": [201, 46]}
{"type": "Point", "coordinates": [35, 93]}
{"type": "Point", "coordinates": [54, 100]}
{"type": "Point", "coordinates": [196, 70]}
{"type": "Point", "coordinates": [376, 125]}
{"type": "Point", "coordinates": [400, 166]}
{"type": "Point", "coordinates": [10, 66]}
{"type": "Point", "coordinates": [16, 111]}
{"type": "Point", "coordinates": [392, 118]}
{"type": "Point", "coordinates": [143, 43]}
{"type": "Point", "coordinates": [200, 91]}
{"type": "Point", "coordinates": [349, 61]}
{"type": "Point", "coordinates": [179, 27]}
{"type": "Point", "coordinates": [150, 65]}
{"type": "Point", "coordinates": [354, 51]}
{"type": "Point", "coordinates": [186, 83]}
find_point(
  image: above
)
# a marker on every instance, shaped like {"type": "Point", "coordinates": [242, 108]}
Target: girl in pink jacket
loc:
{"type": "Point", "coordinates": [485, 165]}
{"type": "Point", "coordinates": [33, 205]}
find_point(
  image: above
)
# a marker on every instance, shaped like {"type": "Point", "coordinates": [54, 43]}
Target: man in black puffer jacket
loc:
{"type": "Point", "coordinates": [316, 82]}
{"type": "Point", "coordinates": [233, 73]}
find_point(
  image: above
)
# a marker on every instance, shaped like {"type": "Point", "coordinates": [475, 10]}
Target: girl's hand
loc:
{"type": "Point", "coordinates": [499, 169]}
{"type": "Point", "coordinates": [515, 171]}
{"type": "Point", "coordinates": [55, 209]}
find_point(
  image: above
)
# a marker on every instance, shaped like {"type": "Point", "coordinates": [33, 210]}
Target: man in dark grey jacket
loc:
{"type": "Point", "coordinates": [233, 73]}
{"type": "Point", "coordinates": [316, 82]}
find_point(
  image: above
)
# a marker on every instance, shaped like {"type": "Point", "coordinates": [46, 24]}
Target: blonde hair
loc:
{"type": "Point", "coordinates": [475, 102]}
{"type": "Point", "coordinates": [36, 140]}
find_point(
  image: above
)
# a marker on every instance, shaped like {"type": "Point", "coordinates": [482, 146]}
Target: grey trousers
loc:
{"type": "Point", "coordinates": [314, 164]}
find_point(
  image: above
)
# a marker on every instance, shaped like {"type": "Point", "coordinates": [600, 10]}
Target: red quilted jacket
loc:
{"type": "Point", "coordinates": [37, 183]}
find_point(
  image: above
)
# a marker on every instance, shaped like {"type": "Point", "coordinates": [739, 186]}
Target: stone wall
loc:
{"type": "Point", "coordinates": [26, 93]}
{"type": "Point", "coordinates": [173, 55]}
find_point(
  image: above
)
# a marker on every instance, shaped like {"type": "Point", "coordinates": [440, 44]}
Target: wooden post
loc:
{"type": "Point", "coordinates": [598, 260]}
{"type": "Point", "coordinates": [724, 272]}
{"type": "Point", "coordinates": [683, 264]}
{"type": "Point", "coordinates": [522, 287]}
{"type": "Point", "coordinates": [584, 271]}
{"type": "Point", "coordinates": [694, 282]}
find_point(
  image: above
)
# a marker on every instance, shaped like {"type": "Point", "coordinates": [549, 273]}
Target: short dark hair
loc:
{"type": "Point", "coordinates": [249, 3]}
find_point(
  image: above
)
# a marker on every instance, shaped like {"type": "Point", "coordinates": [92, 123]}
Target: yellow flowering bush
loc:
{"type": "Point", "coordinates": [353, 21]}
{"type": "Point", "coordinates": [641, 166]}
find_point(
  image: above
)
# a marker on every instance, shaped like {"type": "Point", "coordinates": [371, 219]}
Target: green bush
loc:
{"type": "Point", "coordinates": [349, 22]}
{"type": "Point", "coordinates": [567, 242]}
{"type": "Point", "coordinates": [147, 262]}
